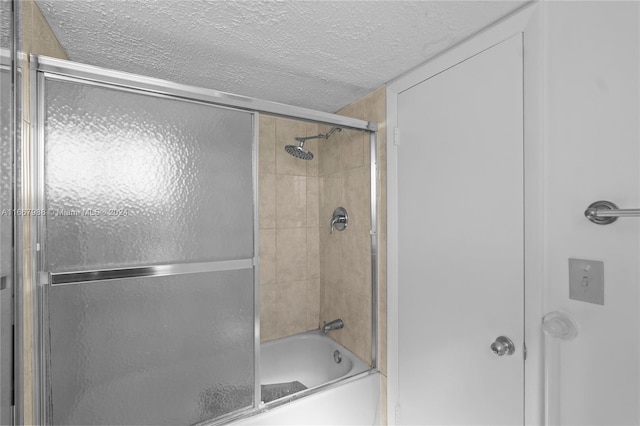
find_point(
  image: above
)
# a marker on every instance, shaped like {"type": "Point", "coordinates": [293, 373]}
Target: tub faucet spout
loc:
{"type": "Point", "coordinates": [336, 324]}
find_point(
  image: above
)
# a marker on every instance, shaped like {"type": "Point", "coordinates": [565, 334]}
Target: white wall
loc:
{"type": "Point", "coordinates": [592, 152]}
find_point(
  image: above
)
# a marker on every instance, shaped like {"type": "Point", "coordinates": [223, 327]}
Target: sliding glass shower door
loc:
{"type": "Point", "coordinates": [146, 255]}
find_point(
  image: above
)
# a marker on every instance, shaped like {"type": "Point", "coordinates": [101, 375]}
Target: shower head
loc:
{"type": "Point", "coordinates": [300, 152]}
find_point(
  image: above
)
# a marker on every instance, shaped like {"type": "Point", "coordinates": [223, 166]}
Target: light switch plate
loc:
{"type": "Point", "coordinates": [586, 280]}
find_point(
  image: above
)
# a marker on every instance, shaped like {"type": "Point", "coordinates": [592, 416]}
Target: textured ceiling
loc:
{"type": "Point", "coordinates": [316, 54]}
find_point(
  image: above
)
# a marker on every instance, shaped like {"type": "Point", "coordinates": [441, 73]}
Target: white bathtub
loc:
{"type": "Point", "coordinates": [309, 359]}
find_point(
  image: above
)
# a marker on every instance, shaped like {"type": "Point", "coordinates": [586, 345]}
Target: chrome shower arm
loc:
{"type": "Point", "coordinates": [311, 137]}
{"type": "Point", "coordinates": [320, 136]}
{"type": "Point", "coordinates": [333, 129]}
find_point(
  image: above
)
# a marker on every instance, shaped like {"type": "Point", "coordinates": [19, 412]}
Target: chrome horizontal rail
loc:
{"type": "Point", "coordinates": [606, 212]}
{"type": "Point", "coordinates": [77, 277]}
{"type": "Point", "coordinates": [89, 72]}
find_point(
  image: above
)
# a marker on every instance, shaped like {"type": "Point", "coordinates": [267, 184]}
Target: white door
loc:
{"type": "Point", "coordinates": [460, 242]}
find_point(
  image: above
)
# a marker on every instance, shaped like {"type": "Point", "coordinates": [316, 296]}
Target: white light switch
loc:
{"type": "Point", "coordinates": [586, 280]}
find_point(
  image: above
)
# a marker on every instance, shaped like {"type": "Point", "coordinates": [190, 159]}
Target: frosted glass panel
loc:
{"type": "Point", "coordinates": [6, 256]}
{"type": "Point", "coordinates": [152, 351]}
{"type": "Point", "coordinates": [134, 179]}
{"type": "Point", "coordinates": [6, 194]}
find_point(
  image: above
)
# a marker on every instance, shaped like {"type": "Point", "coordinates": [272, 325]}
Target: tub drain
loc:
{"type": "Point", "coordinates": [337, 356]}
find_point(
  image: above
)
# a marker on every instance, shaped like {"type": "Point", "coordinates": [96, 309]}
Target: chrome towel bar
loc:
{"type": "Point", "coordinates": [605, 212]}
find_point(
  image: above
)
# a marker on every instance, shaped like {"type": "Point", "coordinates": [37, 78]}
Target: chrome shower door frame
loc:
{"type": "Point", "coordinates": [373, 149]}
{"type": "Point", "coordinates": [32, 270]}
{"type": "Point", "coordinates": [9, 67]}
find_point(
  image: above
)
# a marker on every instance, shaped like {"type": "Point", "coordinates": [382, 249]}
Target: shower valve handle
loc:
{"type": "Point", "coordinates": [339, 220]}
{"type": "Point", "coordinates": [335, 221]}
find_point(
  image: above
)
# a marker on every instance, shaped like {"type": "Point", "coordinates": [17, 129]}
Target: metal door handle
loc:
{"type": "Point", "coordinates": [503, 346]}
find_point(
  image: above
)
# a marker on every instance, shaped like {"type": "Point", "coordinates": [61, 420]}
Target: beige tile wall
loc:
{"type": "Point", "coordinates": [289, 237]}
{"type": "Point", "coordinates": [307, 275]}
{"type": "Point", "coordinates": [345, 257]}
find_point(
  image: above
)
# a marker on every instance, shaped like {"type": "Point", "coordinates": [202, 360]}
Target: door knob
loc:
{"type": "Point", "coordinates": [503, 346]}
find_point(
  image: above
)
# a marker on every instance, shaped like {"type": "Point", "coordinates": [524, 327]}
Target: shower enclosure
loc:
{"type": "Point", "coordinates": [140, 233]}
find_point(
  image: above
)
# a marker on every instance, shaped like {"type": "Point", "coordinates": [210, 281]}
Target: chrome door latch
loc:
{"type": "Point", "coordinates": [503, 346]}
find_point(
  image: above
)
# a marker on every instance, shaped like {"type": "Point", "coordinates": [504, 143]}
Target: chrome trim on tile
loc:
{"type": "Point", "coordinates": [257, 398]}
{"type": "Point", "coordinates": [119, 78]}
{"type": "Point", "coordinates": [373, 138]}
{"type": "Point", "coordinates": [77, 277]}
